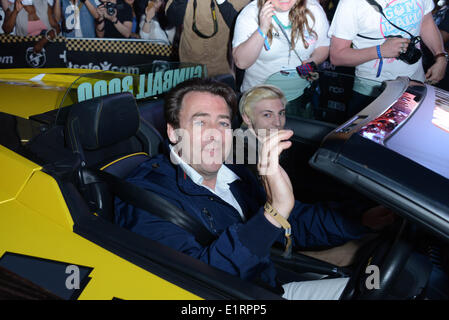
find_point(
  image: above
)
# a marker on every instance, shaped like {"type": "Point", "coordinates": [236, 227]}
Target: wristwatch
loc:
{"type": "Point", "coordinates": [442, 54]}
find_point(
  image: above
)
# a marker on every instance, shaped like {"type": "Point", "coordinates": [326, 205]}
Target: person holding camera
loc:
{"type": "Point", "coordinates": [274, 37]}
{"type": "Point", "coordinates": [115, 19]}
{"type": "Point", "coordinates": [77, 17]}
{"type": "Point", "coordinates": [381, 38]}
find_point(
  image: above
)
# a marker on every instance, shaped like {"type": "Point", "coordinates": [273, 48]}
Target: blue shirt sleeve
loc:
{"type": "Point", "coordinates": [322, 225]}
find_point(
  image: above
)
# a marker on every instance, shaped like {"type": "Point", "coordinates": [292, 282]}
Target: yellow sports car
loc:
{"type": "Point", "coordinates": [61, 130]}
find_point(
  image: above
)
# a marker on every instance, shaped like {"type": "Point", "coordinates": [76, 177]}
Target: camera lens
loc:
{"type": "Point", "coordinates": [110, 8]}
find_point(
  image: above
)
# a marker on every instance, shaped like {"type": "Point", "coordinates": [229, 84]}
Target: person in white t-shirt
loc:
{"type": "Point", "coordinates": [261, 48]}
{"type": "Point", "coordinates": [360, 35]}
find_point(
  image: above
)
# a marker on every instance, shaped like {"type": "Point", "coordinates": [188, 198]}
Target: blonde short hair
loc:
{"type": "Point", "coordinates": [258, 93]}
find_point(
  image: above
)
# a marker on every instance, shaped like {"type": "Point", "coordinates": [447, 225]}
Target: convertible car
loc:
{"type": "Point", "coordinates": [68, 137]}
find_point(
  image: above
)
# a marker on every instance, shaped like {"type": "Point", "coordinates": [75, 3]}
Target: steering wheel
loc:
{"type": "Point", "coordinates": [389, 252]}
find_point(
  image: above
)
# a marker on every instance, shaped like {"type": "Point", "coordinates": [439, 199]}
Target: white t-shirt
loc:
{"type": "Point", "coordinates": [156, 32]}
{"type": "Point", "coordinates": [354, 17]}
{"type": "Point", "coordinates": [279, 57]}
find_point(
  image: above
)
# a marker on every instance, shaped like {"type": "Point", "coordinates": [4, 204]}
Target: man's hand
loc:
{"type": "Point", "coordinates": [378, 218]}
{"type": "Point", "coordinates": [392, 47]}
{"type": "Point", "coordinates": [437, 71]}
{"type": "Point", "coordinates": [276, 182]}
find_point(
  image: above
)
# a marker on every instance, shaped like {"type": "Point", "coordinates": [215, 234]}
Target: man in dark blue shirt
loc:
{"type": "Point", "coordinates": [246, 218]}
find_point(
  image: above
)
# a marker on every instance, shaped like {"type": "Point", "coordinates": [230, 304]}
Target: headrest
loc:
{"type": "Point", "coordinates": [103, 121]}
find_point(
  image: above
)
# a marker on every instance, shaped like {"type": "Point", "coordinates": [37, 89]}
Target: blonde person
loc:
{"type": "Point", "coordinates": [261, 47]}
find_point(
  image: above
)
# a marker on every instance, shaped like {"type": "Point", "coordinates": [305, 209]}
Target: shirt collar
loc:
{"type": "Point", "coordinates": [225, 176]}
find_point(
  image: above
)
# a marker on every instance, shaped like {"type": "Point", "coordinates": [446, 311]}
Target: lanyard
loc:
{"type": "Point", "coordinates": [286, 36]}
{"type": "Point", "coordinates": [214, 18]}
{"type": "Point", "coordinates": [313, 74]}
{"type": "Point", "coordinates": [280, 23]}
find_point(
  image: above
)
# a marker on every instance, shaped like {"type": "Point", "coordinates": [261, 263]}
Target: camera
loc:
{"type": "Point", "coordinates": [413, 54]}
{"type": "Point", "coordinates": [111, 8]}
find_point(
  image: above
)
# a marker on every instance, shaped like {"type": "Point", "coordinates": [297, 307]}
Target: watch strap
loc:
{"type": "Point", "coordinates": [442, 54]}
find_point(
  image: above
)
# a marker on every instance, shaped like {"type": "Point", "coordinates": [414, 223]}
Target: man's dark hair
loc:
{"type": "Point", "coordinates": [174, 98]}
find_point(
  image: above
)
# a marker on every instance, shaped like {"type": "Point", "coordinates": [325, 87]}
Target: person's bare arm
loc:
{"type": "Point", "coordinates": [10, 19]}
{"type": "Point", "coordinates": [341, 53]}
{"type": "Point", "coordinates": [444, 35]}
{"type": "Point", "coordinates": [318, 56]}
{"type": "Point", "coordinates": [124, 27]}
{"type": "Point", "coordinates": [57, 10]}
{"type": "Point", "coordinates": [246, 53]}
{"type": "Point", "coordinates": [51, 19]}
{"type": "Point", "coordinates": [99, 29]}
{"type": "Point", "coordinates": [5, 5]}
{"type": "Point", "coordinates": [92, 9]}
{"type": "Point", "coordinates": [431, 37]}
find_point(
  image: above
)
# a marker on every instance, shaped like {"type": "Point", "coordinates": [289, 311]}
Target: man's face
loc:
{"type": "Point", "coordinates": [266, 114]}
{"type": "Point", "coordinates": [283, 5]}
{"type": "Point", "coordinates": [205, 130]}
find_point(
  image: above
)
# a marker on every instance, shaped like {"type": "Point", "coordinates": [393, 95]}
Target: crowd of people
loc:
{"type": "Point", "coordinates": [265, 38]}
{"type": "Point", "coordinates": [135, 19]}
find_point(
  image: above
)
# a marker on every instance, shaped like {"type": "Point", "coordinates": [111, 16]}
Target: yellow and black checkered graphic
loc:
{"type": "Point", "coordinates": [119, 46]}
{"type": "Point", "coordinates": [100, 45]}
{"type": "Point", "coordinates": [6, 38]}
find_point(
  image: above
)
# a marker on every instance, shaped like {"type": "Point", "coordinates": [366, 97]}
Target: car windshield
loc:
{"type": "Point", "coordinates": [149, 81]}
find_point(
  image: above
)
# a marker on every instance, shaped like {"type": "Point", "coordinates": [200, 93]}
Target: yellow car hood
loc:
{"type": "Point", "coordinates": [27, 92]}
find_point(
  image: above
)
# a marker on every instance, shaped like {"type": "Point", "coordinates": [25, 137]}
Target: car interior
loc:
{"type": "Point", "coordinates": [83, 144]}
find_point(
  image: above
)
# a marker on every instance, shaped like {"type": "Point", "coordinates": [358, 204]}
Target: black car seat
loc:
{"type": "Point", "coordinates": [108, 135]}
{"type": "Point", "coordinates": [152, 112]}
